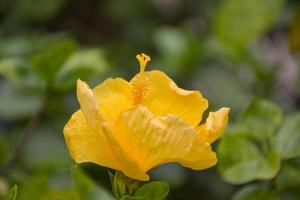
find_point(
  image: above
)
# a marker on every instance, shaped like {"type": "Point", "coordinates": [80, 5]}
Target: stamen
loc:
{"type": "Point", "coordinates": [139, 89]}
{"type": "Point", "coordinates": [143, 60]}
{"type": "Point", "coordinates": [140, 83]}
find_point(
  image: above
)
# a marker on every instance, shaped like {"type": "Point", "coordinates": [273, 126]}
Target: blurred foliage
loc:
{"type": "Point", "coordinates": [255, 192]}
{"type": "Point", "coordinates": [232, 15]}
{"type": "Point", "coordinates": [246, 156]}
{"type": "Point", "coordinates": [241, 54]}
{"type": "Point", "coordinates": [12, 194]}
{"type": "Point", "coordinates": [294, 36]}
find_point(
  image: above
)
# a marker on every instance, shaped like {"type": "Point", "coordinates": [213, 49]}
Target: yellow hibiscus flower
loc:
{"type": "Point", "coordinates": [138, 125]}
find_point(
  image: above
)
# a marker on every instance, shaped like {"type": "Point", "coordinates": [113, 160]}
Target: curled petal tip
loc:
{"type": "Point", "coordinates": [82, 85]}
{"type": "Point", "coordinates": [79, 82]}
{"type": "Point", "coordinates": [225, 109]}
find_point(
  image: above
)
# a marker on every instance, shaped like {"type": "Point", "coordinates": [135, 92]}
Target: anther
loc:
{"type": "Point", "coordinates": [143, 60]}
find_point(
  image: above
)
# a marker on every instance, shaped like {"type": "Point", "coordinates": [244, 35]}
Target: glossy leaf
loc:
{"type": "Point", "coordinates": [260, 119]}
{"type": "Point", "coordinates": [241, 161]}
{"type": "Point", "coordinates": [157, 190]}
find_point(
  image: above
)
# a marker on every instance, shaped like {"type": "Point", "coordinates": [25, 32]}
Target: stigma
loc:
{"type": "Point", "coordinates": [140, 83]}
{"type": "Point", "coordinates": [143, 60]}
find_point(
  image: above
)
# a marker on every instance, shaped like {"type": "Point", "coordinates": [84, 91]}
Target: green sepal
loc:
{"type": "Point", "coordinates": [125, 188]}
{"type": "Point", "coordinates": [122, 185]}
{"type": "Point", "coordinates": [155, 190]}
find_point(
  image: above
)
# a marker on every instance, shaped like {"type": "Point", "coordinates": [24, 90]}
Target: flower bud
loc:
{"type": "Point", "coordinates": [122, 185]}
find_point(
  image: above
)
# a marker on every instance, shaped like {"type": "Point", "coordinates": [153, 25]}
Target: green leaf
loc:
{"type": "Point", "coordinates": [87, 189]}
{"type": "Point", "coordinates": [287, 140]}
{"type": "Point", "coordinates": [289, 178]}
{"type": "Point", "coordinates": [255, 192]}
{"type": "Point", "coordinates": [241, 160]}
{"type": "Point", "coordinates": [12, 194]}
{"type": "Point", "coordinates": [48, 62]}
{"type": "Point", "coordinates": [81, 64]}
{"type": "Point", "coordinates": [123, 185]}
{"type": "Point", "coordinates": [244, 151]}
{"type": "Point", "coordinates": [261, 119]}
{"type": "Point", "coordinates": [126, 197]}
{"type": "Point", "coordinates": [240, 22]}
{"type": "Point", "coordinates": [157, 190]}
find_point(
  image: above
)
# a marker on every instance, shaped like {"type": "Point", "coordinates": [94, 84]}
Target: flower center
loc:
{"type": "Point", "coordinates": [140, 82]}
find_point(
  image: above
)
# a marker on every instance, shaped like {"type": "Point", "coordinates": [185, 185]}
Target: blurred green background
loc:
{"type": "Point", "coordinates": [241, 54]}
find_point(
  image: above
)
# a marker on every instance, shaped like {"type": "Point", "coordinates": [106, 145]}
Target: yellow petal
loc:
{"type": "Point", "coordinates": [214, 126]}
{"type": "Point", "coordinates": [162, 97]}
{"type": "Point", "coordinates": [90, 108]}
{"type": "Point", "coordinates": [114, 96]}
{"type": "Point", "coordinates": [85, 145]}
{"type": "Point", "coordinates": [156, 140]}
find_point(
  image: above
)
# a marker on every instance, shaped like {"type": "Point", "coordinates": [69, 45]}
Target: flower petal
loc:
{"type": "Point", "coordinates": [164, 97]}
{"type": "Point", "coordinates": [85, 145]}
{"type": "Point", "coordinates": [214, 126]}
{"type": "Point", "coordinates": [90, 108]}
{"type": "Point", "coordinates": [114, 96]}
{"type": "Point", "coordinates": [156, 140]}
